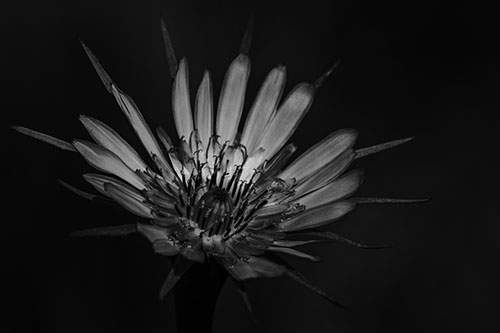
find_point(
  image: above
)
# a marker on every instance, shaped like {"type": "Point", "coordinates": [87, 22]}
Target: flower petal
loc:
{"type": "Point", "coordinates": [153, 233]}
{"type": "Point", "coordinates": [204, 110]}
{"type": "Point", "coordinates": [263, 108]}
{"type": "Point", "coordinates": [378, 148]}
{"type": "Point", "coordinates": [312, 218]}
{"type": "Point", "coordinates": [141, 128]}
{"type": "Point", "coordinates": [106, 80]}
{"type": "Point", "coordinates": [320, 154]}
{"type": "Point", "coordinates": [165, 247]}
{"type": "Point", "coordinates": [277, 162]}
{"type": "Point", "coordinates": [169, 49]}
{"type": "Point", "coordinates": [334, 191]}
{"type": "Point", "coordinates": [83, 194]}
{"type": "Point", "coordinates": [254, 267]}
{"type": "Point", "coordinates": [104, 160]}
{"type": "Point", "coordinates": [45, 138]}
{"type": "Point", "coordinates": [98, 181]}
{"type": "Point", "coordinates": [109, 139]}
{"type": "Point", "coordinates": [167, 143]}
{"type": "Point", "coordinates": [287, 118]}
{"type": "Point", "coordinates": [294, 252]}
{"type": "Point", "coordinates": [181, 265]}
{"type": "Point", "coordinates": [293, 243]}
{"type": "Point", "coordinates": [232, 98]}
{"type": "Point", "coordinates": [298, 277]}
{"type": "Point", "coordinates": [327, 174]}
{"type": "Point", "coordinates": [127, 201]}
{"type": "Point", "coordinates": [244, 296]}
{"type": "Point", "coordinates": [330, 236]}
{"type": "Point", "coordinates": [253, 163]}
{"type": "Point", "coordinates": [181, 104]}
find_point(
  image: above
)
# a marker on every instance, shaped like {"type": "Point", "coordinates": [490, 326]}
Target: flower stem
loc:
{"type": "Point", "coordinates": [196, 297]}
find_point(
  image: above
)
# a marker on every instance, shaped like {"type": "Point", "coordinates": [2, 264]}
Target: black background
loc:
{"type": "Point", "coordinates": [428, 69]}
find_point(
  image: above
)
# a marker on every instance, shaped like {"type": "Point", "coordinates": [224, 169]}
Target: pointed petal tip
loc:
{"type": "Point", "coordinates": [280, 69]}
{"type": "Point", "coordinates": [169, 49]}
{"type": "Point", "coordinates": [389, 200]}
{"type": "Point", "coordinates": [83, 45]}
{"type": "Point", "coordinates": [330, 236]}
{"type": "Point", "coordinates": [301, 279]}
{"type": "Point", "coordinates": [61, 144]}
{"type": "Point", "coordinates": [113, 231]}
{"type": "Point", "coordinates": [319, 82]}
{"type": "Point", "coordinates": [247, 37]}
{"type": "Point", "coordinates": [103, 75]}
{"type": "Point", "coordinates": [350, 131]}
{"type": "Point", "coordinates": [79, 192]}
{"type": "Point", "coordinates": [381, 147]}
{"type": "Point", "coordinates": [84, 119]}
{"type": "Point", "coordinates": [183, 65]}
{"type": "Point", "coordinates": [244, 296]}
{"type": "Point", "coordinates": [242, 60]}
{"type": "Point", "coordinates": [180, 266]}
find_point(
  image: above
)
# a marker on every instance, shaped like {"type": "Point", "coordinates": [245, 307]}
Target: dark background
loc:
{"type": "Point", "coordinates": [428, 69]}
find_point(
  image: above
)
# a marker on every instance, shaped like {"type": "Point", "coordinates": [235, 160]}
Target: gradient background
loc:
{"type": "Point", "coordinates": [429, 69]}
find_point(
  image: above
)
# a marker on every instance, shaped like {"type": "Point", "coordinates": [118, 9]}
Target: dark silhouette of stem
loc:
{"type": "Point", "coordinates": [196, 297]}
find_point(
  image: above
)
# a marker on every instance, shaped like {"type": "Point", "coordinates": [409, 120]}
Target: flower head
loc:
{"type": "Point", "coordinates": [220, 193]}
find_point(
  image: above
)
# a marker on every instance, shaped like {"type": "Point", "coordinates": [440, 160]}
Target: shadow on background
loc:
{"type": "Point", "coordinates": [428, 70]}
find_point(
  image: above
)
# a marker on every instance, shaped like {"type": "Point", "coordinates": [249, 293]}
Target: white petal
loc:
{"type": "Point", "coordinates": [293, 243]}
{"type": "Point", "coordinates": [181, 103]}
{"type": "Point", "coordinates": [165, 247]}
{"type": "Point", "coordinates": [45, 138]}
{"type": "Point", "coordinates": [334, 191]}
{"type": "Point", "coordinates": [287, 118]}
{"type": "Point", "coordinates": [263, 108]}
{"type": "Point", "coordinates": [109, 139]}
{"type": "Point", "coordinates": [294, 252]}
{"type": "Point", "coordinates": [313, 218]}
{"type": "Point", "coordinates": [327, 174]}
{"type": "Point", "coordinates": [232, 98]}
{"type": "Point", "coordinates": [104, 160]}
{"type": "Point", "coordinates": [153, 233]}
{"type": "Point", "coordinates": [204, 110]}
{"type": "Point", "coordinates": [252, 163]}
{"type": "Point", "coordinates": [98, 181]}
{"type": "Point", "coordinates": [320, 154]}
{"type": "Point", "coordinates": [167, 143]}
{"type": "Point", "coordinates": [128, 202]}
{"type": "Point", "coordinates": [233, 157]}
{"type": "Point", "coordinates": [138, 123]}
{"type": "Point", "coordinates": [255, 267]}
{"type": "Point", "coordinates": [380, 147]}
{"type": "Point", "coordinates": [276, 163]}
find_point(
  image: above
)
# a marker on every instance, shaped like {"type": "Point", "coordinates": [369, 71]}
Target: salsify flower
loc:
{"type": "Point", "coordinates": [220, 194]}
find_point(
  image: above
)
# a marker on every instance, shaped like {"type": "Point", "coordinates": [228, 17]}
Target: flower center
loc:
{"type": "Point", "coordinates": [219, 192]}
{"type": "Point", "coordinates": [213, 210]}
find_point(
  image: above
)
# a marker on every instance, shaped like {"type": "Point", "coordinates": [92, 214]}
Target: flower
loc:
{"type": "Point", "coordinates": [221, 194]}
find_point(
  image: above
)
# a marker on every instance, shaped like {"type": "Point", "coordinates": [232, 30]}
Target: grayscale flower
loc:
{"type": "Point", "coordinates": [220, 194]}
